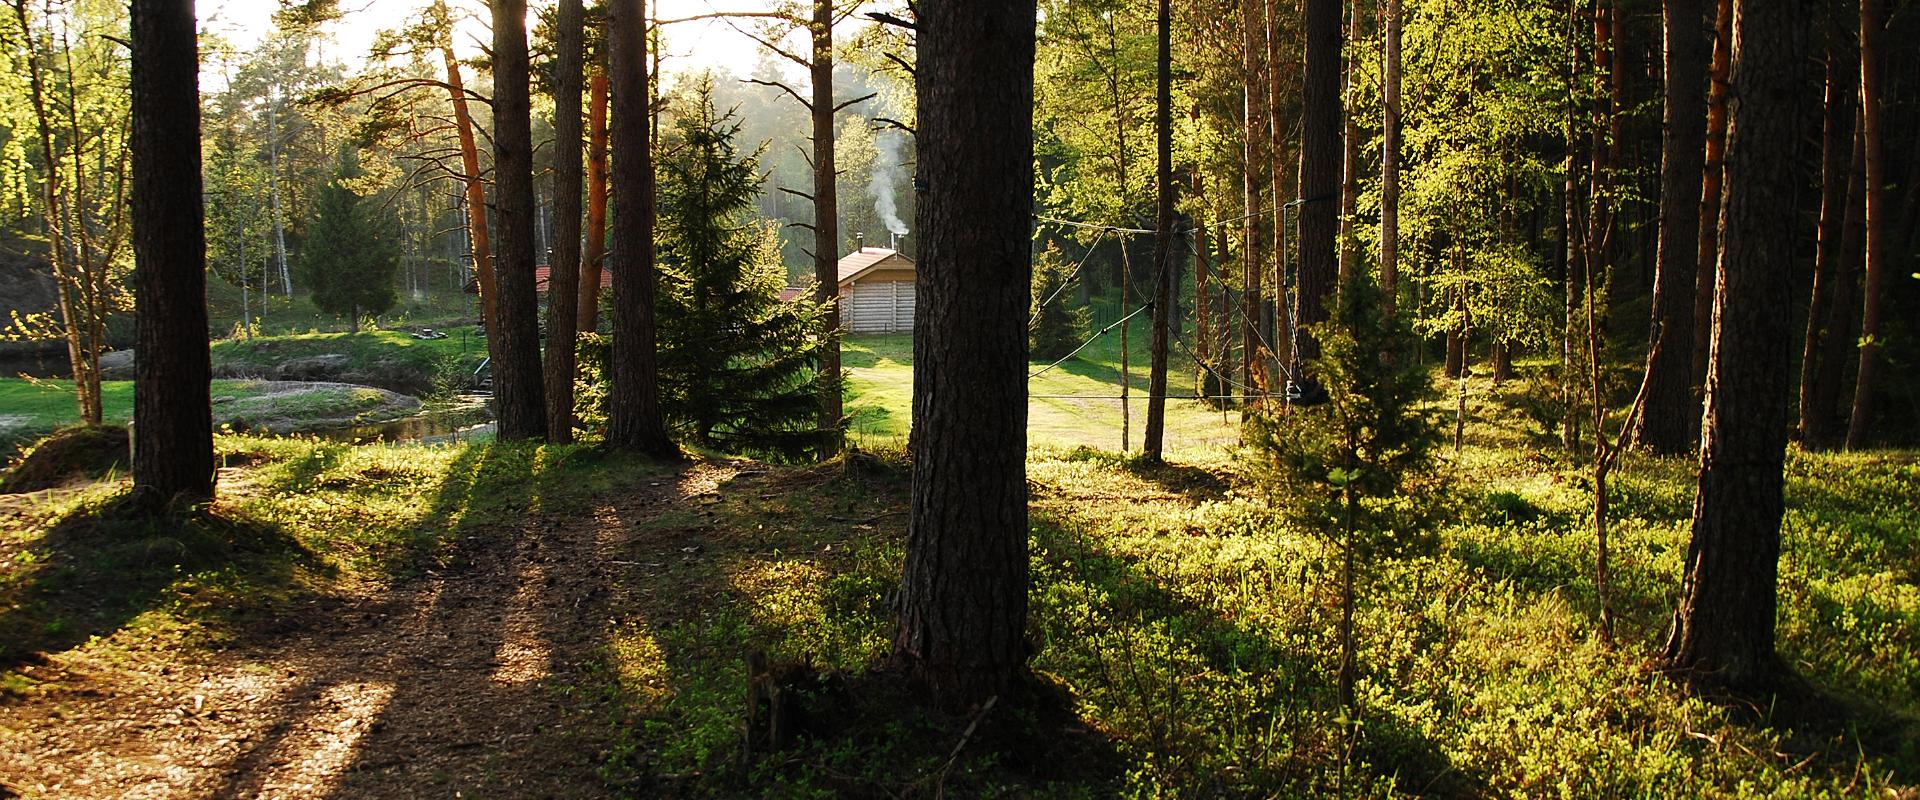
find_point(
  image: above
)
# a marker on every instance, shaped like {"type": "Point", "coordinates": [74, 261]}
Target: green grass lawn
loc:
{"type": "Point", "coordinates": [31, 408]}
{"type": "Point", "coordinates": [1074, 404]}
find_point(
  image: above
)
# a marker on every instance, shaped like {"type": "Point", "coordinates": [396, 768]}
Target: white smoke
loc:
{"type": "Point", "coordinates": [886, 175]}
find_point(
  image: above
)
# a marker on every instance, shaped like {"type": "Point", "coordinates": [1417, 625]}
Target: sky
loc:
{"type": "Point", "coordinates": [707, 44]}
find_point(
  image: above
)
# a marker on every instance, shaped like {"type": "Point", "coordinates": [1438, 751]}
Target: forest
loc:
{"type": "Point", "coordinates": [959, 398]}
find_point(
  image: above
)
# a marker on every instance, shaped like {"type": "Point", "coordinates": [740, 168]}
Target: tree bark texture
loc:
{"type": "Point", "coordinates": [1320, 167]}
{"type": "Point", "coordinates": [826, 225]}
{"type": "Point", "coordinates": [962, 613]}
{"type": "Point", "coordinates": [1723, 631]}
{"type": "Point", "coordinates": [518, 391]}
{"type": "Point", "coordinates": [172, 405]}
{"type": "Point", "coordinates": [1672, 414]}
{"type": "Point", "coordinates": [1836, 145]}
{"type": "Point", "coordinates": [563, 274]}
{"type": "Point", "coordinates": [634, 418]}
{"type": "Point", "coordinates": [1866, 380]}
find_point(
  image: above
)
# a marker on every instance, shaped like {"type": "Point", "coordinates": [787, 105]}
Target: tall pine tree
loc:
{"type": "Point", "coordinates": [350, 257]}
{"type": "Point", "coordinates": [739, 368]}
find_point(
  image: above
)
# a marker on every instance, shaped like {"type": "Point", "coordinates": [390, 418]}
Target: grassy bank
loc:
{"type": "Point", "coordinates": [32, 408]}
{"type": "Point", "coordinates": [1074, 404]}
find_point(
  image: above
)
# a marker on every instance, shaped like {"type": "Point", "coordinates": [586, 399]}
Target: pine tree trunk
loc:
{"type": "Point", "coordinates": [1320, 167]}
{"type": "Point", "coordinates": [634, 418]}
{"type": "Point", "coordinates": [1723, 631]}
{"type": "Point", "coordinates": [563, 275]}
{"type": "Point", "coordinates": [1390, 162]}
{"type": "Point", "coordinates": [1710, 187]}
{"type": "Point", "coordinates": [1163, 283]}
{"type": "Point", "coordinates": [518, 390]}
{"type": "Point", "coordinates": [591, 258]}
{"type": "Point", "coordinates": [1672, 413]}
{"type": "Point", "coordinates": [1867, 379]}
{"type": "Point", "coordinates": [477, 232]}
{"type": "Point", "coordinates": [172, 405]}
{"type": "Point", "coordinates": [1350, 153]}
{"type": "Point", "coordinates": [1278, 326]}
{"type": "Point", "coordinates": [961, 622]}
{"type": "Point", "coordinates": [1253, 164]}
{"type": "Point", "coordinates": [826, 226]}
{"type": "Point", "coordinates": [1837, 136]}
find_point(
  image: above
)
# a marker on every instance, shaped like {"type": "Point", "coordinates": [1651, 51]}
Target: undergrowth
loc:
{"type": "Point", "coordinates": [1185, 625]}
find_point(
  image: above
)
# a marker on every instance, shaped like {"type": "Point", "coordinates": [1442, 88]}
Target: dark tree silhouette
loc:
{"type": "Point", "coordinates": [1672, 413]}
{"type": "Point", "coordinates": [1878, 211]}
{"type": "Point", "coordinates": [172, 406]}
{"type": "Point", "coordinates": [1320, 156]}
{"type": "Point", "coordinates": [563, 278]}
{"type": "Point", "coordinates": [634, 419]}
{"type": "Point", "coordinates": [1723, 630]}
{"type": "Point", "coordinates": [1836, 139]}
{"type": "Point", "coordinates": [963, 598]}
{"type": "Point", "coordinates": [518, 391]}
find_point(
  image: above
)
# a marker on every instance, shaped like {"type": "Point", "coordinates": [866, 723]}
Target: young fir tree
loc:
{"type": "Point", "coordinates": [350, 256]}
{"type": "Point", "coordinates": [1054, 329]}
{"type": "Point", "coordinates": [739, 368]}
{"type": "Point", "coordinates": [1346, 463]}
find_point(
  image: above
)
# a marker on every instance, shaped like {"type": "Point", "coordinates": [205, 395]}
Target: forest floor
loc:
{"type": "Point", "coordinates": [489, 620]}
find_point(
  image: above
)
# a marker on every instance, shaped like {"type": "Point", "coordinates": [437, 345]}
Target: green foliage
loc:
{"type": "Point", "coordinates": [738, 367]}
{"type": "Point", "coordinates": [350, 256]}
{"type": "Point", "coordinates": [1355, 453]}
{"type": "Point", "coordinates": [1055, 328]}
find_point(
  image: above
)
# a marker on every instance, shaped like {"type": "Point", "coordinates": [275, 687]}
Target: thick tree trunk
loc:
{"type": "Point", "coordinates": [634, 418]}
{"type": "Point", "coordinates": [1714, 168]}
{"type": "Point", "coordinates": [518, 391]}
{"type": "Point", "coordinates": [563, 275]}
{"type": "Point", "coordinates": [1390, 162]}
{"type": "Point", "coordinates": [172, 406]}
{"type": "Point", "coordinates": [961, 619]}
{"type": "Point", "coordinates": [591, 257]}
{"type": "Point", "coordinates": [1672, 413]}
{"type": "Point", "coordinates": [826, 226]}
{"type": "Point", "coordinates": [1879, 211]}
{"type": "Point", "coordinates": [1723, 630]}
{"type": "Point", "coordinates": [1836, 139]}
{"type": "Point", "coordinates": [1163, 282]}
{"type": "Point", "coordinates": [1320, 166]}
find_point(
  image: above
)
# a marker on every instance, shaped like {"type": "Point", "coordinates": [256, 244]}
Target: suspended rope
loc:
{"type": "Point", "coordinates": [1069, 281]}
{"type": "Point", "coordinates": [1083, 345]}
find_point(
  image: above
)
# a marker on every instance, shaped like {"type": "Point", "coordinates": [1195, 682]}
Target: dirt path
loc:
{"type": "Point", "coordinates": [440, 687]}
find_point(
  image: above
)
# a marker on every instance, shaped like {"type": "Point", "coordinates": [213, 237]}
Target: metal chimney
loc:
{"type": "Point", "coordinates": [859, 242]}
